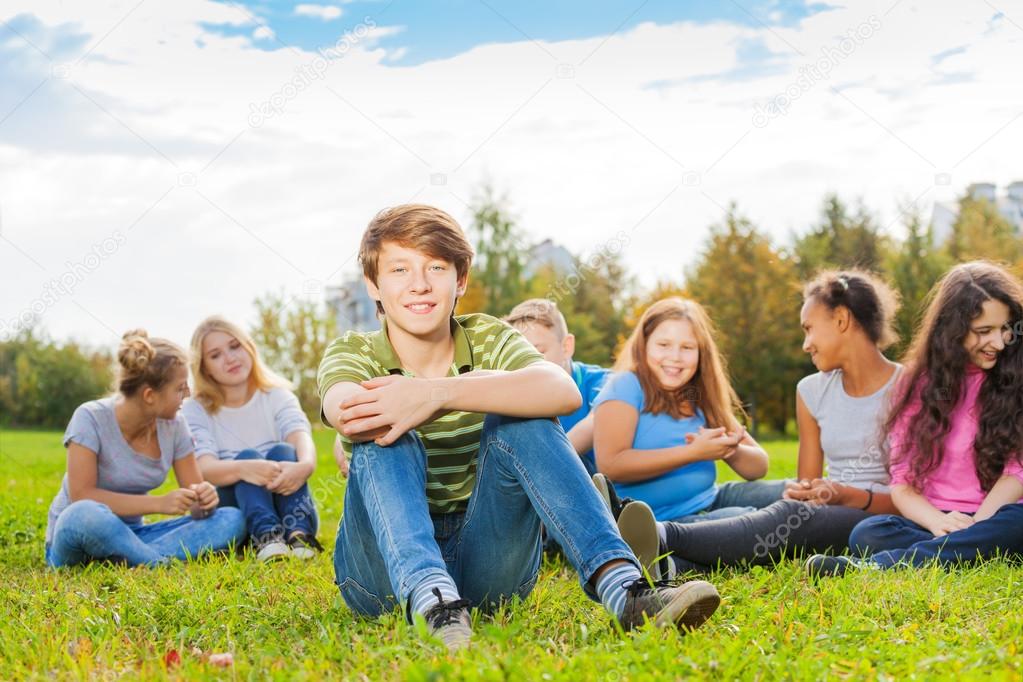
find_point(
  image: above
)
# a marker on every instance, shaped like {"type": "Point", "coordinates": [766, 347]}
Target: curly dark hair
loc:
{"type": "Point", "coordinates": [936, 366]}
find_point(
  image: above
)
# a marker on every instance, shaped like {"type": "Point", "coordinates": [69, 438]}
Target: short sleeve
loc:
{"type": "Point", "coordinates": [346, 359]}
{"type": "Point", "coordinates": [622, 386]}
{"type": "Point", "coordinates": [512, 351]}
{"type": "Point", "coordinates": [809, 389]}
{"type": "Point", "coordinates": [288, 414]}
{"type": "Point", "coordinates": [83, 429]}
{"type": "Point", "coordinates": [198, 422]}
{"type": "Point", "coordinates": [184, 444]}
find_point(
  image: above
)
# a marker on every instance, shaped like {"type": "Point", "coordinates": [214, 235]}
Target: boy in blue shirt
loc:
{"type": "Point", "coordinates": [543, 325]}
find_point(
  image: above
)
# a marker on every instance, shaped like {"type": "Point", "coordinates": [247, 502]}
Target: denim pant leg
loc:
{"type": "Point", "coordinates": [1000, 535]}
{"type": "Point", "coordinates": [186, 538]}
{"type": "Point", "coordinates": [385, 542]}
{"type": "Point", "coordinates": [255, 501]}
{"type": "Point", "coordinates": [88, 530]}
{"type": "Point", "coordinates": [296, 511]}
{"type": "Point", "coordinates": [528, 473]}
{"type": "Point", "coordinates": [884, 532]}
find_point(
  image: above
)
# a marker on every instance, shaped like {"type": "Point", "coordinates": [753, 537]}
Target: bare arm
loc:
{"type": "Point", "coordinates": [82, 476]}
{"type": "Point", "coordinates": [613, 433]}
{"type": "Point", "coordinates": [750, 460]}
{"type": "Point", "coordinates": [305, 450]}
{"type": "Point", "coordinates": [915, 507]}
{"type": "Point", "coordinates": [581, 435]}
{"type": "Point", "coordinates": [1007, 490]}
{"type": "Point", "coordinates": [540, 390]}
{"type": "Point", "coordinates": [811, 455]}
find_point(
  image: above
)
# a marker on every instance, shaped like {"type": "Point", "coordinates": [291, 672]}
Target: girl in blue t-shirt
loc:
{"type": "Point", "coordinates": [669, 413]}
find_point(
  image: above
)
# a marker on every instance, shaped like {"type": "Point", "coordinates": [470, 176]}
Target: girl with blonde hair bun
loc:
{"type": "Point", "coordinates": [119, 449]}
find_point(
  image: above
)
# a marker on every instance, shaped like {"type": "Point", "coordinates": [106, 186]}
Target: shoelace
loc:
{"type": "Point", "coordinates": [307, 540]}
{"type": "Point", "coordinates": [445, 612]}
{"type": "Point", "coordinates": [642, 584]}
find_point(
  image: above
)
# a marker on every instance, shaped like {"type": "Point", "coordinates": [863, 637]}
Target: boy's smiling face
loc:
{"type": "Point", "coordinates": [417, 291]}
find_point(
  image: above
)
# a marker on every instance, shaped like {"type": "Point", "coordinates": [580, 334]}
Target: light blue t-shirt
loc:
{"type": "Point", "coordinates": [686, 490]}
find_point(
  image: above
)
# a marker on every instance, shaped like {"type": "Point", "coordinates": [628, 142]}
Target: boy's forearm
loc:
{"type": "Point", "coordinates": [540, 390]}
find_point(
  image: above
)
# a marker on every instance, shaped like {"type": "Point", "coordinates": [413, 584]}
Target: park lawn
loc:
{"type": "Point", "coordinates": [288, 620]}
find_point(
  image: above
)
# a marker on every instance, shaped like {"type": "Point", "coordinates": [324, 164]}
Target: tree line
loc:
{"type": "Point", "coordinates": [750, 285]}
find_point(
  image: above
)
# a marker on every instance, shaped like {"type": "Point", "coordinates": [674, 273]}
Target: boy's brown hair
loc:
{"type": "Point", "coordinates": [540, 311]}
{"type": "Point", "coordinates": [420, 227]}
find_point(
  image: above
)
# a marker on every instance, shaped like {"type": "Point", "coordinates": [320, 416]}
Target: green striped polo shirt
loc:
{"type": "Point", "coordinates": [452, 440]}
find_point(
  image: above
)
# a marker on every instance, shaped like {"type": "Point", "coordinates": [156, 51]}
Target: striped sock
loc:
{"type": "Point", "coordinates": [423, 599]}
{"type": "Point", "coordinates": [611, 587]}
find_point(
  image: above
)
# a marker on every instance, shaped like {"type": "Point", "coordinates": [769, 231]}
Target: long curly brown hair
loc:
{"type": "Point", "coordinates": [935, 375]}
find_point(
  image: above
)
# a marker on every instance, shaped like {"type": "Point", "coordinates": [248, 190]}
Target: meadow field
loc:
{"type": "Point", "coordinates": [287, 620]}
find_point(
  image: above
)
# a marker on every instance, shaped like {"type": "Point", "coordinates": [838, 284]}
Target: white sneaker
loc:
{"type": "Point", "coordinates": [273, 550]}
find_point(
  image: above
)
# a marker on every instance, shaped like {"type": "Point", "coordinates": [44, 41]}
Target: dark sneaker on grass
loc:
{"type": "Point", "coordinates": [304, 546]}
{"type": "Point", "coordinates": [606, 489]}
{"type": "Point", "coordinates": [450, 622]}
{"type": "Point", "coordinates": [686, 606]}
{"type": "Point", "coordinates": [638, 527]}
{"type": "Point", "coordinates": [823, 566]}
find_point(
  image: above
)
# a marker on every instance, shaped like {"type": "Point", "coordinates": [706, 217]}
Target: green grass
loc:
{"type": "Point", "coordinates": [288, 620]}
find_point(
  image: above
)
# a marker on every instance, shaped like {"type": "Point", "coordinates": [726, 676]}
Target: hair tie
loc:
{"type": "Point", "coordinates": [844, 282]}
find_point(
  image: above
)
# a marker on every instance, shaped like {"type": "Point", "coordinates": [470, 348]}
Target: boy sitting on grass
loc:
{"type": "Point", "coordinates": [456, 459]}
{"type": "Point", "coordinates": [543, 325]}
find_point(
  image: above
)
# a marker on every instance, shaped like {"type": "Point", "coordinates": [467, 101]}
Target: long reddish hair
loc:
{"type": "Point", "coordinates": [709, 390]}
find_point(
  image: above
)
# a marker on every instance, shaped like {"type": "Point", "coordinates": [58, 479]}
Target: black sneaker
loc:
{"type": "Point", "coordinates": [686, 606]}
{"type": "Point", "coordinates": [304, 546]}
{"type": "Point", "coordinates": [450, 622]}
{"type": "Point", "coordinates": [823, 566]}
{"type": "Point", "coordinates": [606, 489]}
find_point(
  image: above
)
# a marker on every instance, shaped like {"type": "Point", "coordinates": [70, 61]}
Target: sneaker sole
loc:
{"type": "Point", "coordinates": [600, 483]}
{"type": "Point", "coordinates": [303, 553]}
{"type": "Point", "coordinates": [274, 552]}
{"type": "Point", "coordinates": [694, 603]}
{"type": "Point", "coordinates": [638, 527]}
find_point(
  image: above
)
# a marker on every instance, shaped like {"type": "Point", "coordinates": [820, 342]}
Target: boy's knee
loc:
{"type": "Point", "coordinates": [514, 427]}
{"type": "Point", "coordinates": [368, 453]}
{"type": "Point", "coordinates": [282, 452]}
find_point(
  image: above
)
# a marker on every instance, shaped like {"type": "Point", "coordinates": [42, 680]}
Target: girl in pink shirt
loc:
{"type": "Point", "coordinates": [954, 433]}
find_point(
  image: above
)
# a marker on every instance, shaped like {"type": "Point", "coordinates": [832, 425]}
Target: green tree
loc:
{"type": "Point", "coordinates": [914, 267]}
{"type": "Point", "coordinates": [496, 279]}
{"type": "Point", "coordinates": [980, 231]}
{"type": "Point", "coordinates": [751, 292]}
{"type": "Point", "coordinates": [42, 382]}
{"type": "Point", "coordinates": [840, 240]}
{"type": "Point", "coordinates": [292, 340]}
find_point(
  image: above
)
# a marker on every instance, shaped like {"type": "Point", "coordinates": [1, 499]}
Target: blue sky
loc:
{"type": "Point", "coordinates": [444, 29]}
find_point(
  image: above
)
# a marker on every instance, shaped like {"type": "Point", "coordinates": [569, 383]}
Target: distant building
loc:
{"type": "Point", "coordinates": [352, 306]}
{"type": "Point", "coordinates": [1010, 205]}
{"type": "Point", "coordinates": [355, 310]}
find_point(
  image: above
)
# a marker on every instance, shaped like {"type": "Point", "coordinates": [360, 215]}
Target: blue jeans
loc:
{"type": "Point", "coordinates": [889, 540]}
{"type": "Point", "coordinates": [736, 498]}
{"type": "Point", "coordinates": [527, 473]}
{"type": "Point", "coordinates": [266, 512]}
{"type": "Point", "coordinates": [88, 530]}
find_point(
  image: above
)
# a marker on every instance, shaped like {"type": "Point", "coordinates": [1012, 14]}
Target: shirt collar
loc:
{"type": "Point", "coordinates": [384, 351]}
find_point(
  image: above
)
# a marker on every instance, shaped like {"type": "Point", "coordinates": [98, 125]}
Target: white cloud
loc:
{"type": "Point", "coordinates": [601, 137]}
{"type": "Point", "coordinates": [263, 33]}
{"type": "Point", "coordinates": [322, 12]}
